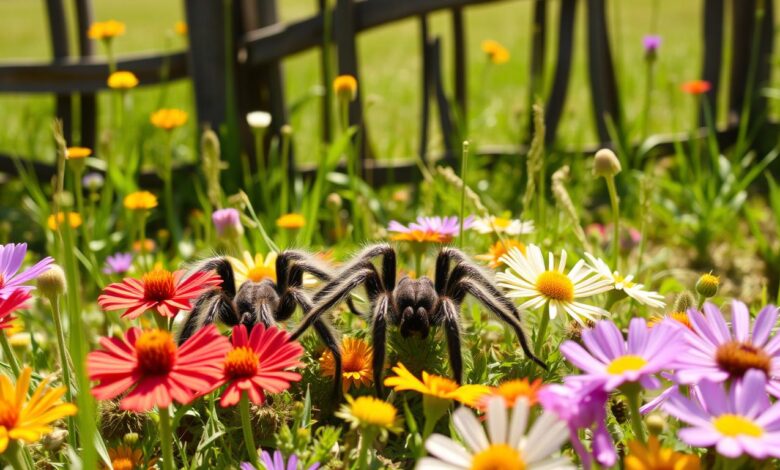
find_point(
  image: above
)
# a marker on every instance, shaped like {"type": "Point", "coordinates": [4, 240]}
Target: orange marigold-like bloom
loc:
{"type": "Point", "coordinates": [259, 363]}
{"type": "Point", "coordinates": [168, 119]}
{"type": "Point", "coordinates": [159, 290]}
{"type": "Point", "coordinates": [345, 87]}
{"type": "Point", "coordinates": [357, 369]}
{"type": "Point", "coordinates": [512, 390]}
{"type": "Point", "coordinates": [499, 249]}
{"type": "Point", "coordinates": [73, 153]}
{"type": "Point", "coordinates": [696, 87]}
{"type": "Point", "coordinates": [497, 53]}
{"type": "Point", "coordinates": [106, 30]}
{"type": "Point", "coordinates": [55, 220]}
{"type": "Point", "coordinates": [151, 371]}
{"type": "Point", "coordinates": [654, 457]}
{"type": "Point", "coordinates": [122, 80]}
{"type": "Point", "coordinates": [140, 201]}
{"type": "Point", "coordinates": [126, 458]}
{"type": "Point", "coordinates": [291, 221]}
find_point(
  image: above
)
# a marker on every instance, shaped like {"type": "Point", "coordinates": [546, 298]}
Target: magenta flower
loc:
{"type": "Point", "coordinates": [737, 422]}
{"type": "Point", "coordinates": [611, 361]}
{"type": "Point", "coordinates": [228, 222]}
{"type": "Point", "coordinates": [651, 43]}
{"type": "Point", "coordinates": [429, 229]}
{"type": "Point", "coordinates": [11, 258]}
{"type": "Point", "coordinates": [582, 406]}
{"type": "Point", "coordinates": [717, 354]}
{"type": "Point", "coordinates": [277, 462]}
{"type": "Point", "coordinates": [118, 263]}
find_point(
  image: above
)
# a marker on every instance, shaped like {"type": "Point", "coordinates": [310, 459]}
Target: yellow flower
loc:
{"type": "Point", "coordinates": [356, 357]}
{"type": "Point", "coordinates": [168, 119]}
{"type": "Point", "coordinates": [655, 457]}
{"type": "Point", "coordinates": [681, 317]}
{"type": "Point", "coordinates": [345, 87]}
{"type": "Point", "coordinates": [122, 80]}
{"type": "Point", "coordinates": [499, 249]}
{"type": "Point", "coordinates": [106, 30]}
{"type": "Point", "coordinates": [74, 220]}
{"type": "Point", "coordinates": [291, 221]}
{"type": "Point", "coordinates": [29, 421]}
{"type": "Point", "coordinates": [436, 386]}
{"type": "Point", "coordinates": [140, 201]}
{"type": "Point", "coordinates": [125, 458]}
{"type": "Point", "coordinates": [77, 152]}
{"type": "Point", "coordinates": [181, 28]}
{"type": "Point", "coordinates": [255, 268]}
{"type": "Point", "coordinates": [370, 412]}
{"type": "Point", "coordinates": [149, 246]}
{"type": "Point", "coordinates": [497, 53]}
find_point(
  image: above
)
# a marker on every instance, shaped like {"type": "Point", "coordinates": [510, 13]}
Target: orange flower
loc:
{"type": "Point", "coordinates": [140, 201]}
{"type": "Point", "coordinates": [680, 317]}
{"type": "Point", "coordinates": [77, 152]}
{"type": "Point", "coordinates": [497, 53]}
{"type": "Point", "coordinates": [55, 220]}
{"type": "Point", "coordinates": [168, 119]}
{"type": "Point", "coordinates": [106, 30]}
{"type": "Point", "coordinates": [357, 369]}
{"type": "Point", "coordinates": [420, 236]}
{"type": "Point", "coordinates": [499, 249]}
{"type": "Point", "coordinates": [696, 87]}
{"type": "Point", "coordinates": [181, 28]}
{"type": "Point", "coordinates": [512, 390]}
{"type": "Point", "coordinates": [291, 221]}
{"type": "Point", "coordinates": [345, 87]}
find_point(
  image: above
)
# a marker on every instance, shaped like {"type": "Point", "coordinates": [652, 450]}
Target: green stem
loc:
{"type": "Point", "coordinates": [13, 456]}
{"type": "Point", "coordinates": [246, 425]}
{"type": "Point", "coordinates": [166, 439]}
{"type": "Point", "coordinates": [615, 202]}
{"type": "Point", "coordinates": [632, 394]}
{"type": "Point", "coordinates": [9, 354]}
{"type": "Point", "coordinates": [463, 171]}
{"type": "Point", "coordinates": [285, 196]}
{"type": "Point", "coordinates": [64, 361]}
{"type": "Point", "coordinates": [262, 173]}
{"type": "Point", "coordinates": [366, 441]}
{"type": "Point", "coordinates": [541, 333]}
{"type": "Point", "coordinates": [170, 213]}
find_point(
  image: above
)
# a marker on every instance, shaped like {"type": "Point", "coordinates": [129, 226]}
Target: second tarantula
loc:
{"type": "Point", "coordinates": [416, 305]}
{"type": "Point", "coordinates": [265, 302]}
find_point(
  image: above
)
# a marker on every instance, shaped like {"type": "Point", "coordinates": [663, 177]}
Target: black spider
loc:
{"type": "Point", "coordinates": [265, 302]}
{"type": "Point", "coordinates": [415, 305]}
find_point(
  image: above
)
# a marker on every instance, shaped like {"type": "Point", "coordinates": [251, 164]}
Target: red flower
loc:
{"type": "Point", "coordinates": [696, 87]}
{"type": "Point", "coordinates": [17, 300]}
{"type": "Point", "coordinates": [159, 289]}
{"type": "Point", "coordinates": [259, 363]}
{"type": "Point", "coordinates": [154, 371]}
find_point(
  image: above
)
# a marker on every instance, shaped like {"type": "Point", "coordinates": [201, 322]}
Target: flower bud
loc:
{"type": "Point", "coordinates": [93, 181]}
{"type": "Point", "coordinates": [333, 201]}
{"type": "Point", "coordinates": [707, 285]}
{"type": "Point", "coordinates": [683, 302]}
{"type": "Point", "coordinates": [606, 163]}
{"type": "Point", "coordinates": [54, 440]}
{"type": "Point", "coordinates": [655, 423]}
{"type": "Point", "coordinates": [286, 130]}
{"type": "Point", "coordinates": [345, 87]}
{"type": "Point", "coordinates": [258, 119]}
{"type": "Point", "coordinates": [51, 283]}
{"type": "Point", "coordinates": [130, 438]}
{"type": "Point", "coordinates": [228, 223]}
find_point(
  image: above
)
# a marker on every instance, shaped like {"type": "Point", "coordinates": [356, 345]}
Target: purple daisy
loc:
{"type": "Point", "coordinates": [739, 421]}
{"type": "Point", "coordinates": [277, 463]}
{"type": "Point", "coordinates": [582, 406]}
{"type": "Point", "coordinates": [430, 229]}
{"type": "Point", "coordinates": [11, 258]}
{"type": "Point", "coordinates": [611, 361]}
{"type": "Point", "coordinates": [118, 263]}
{"type": "Point", "coordinates": [228, 222]}
{"type": "Point", "coordinates": [718, 353]}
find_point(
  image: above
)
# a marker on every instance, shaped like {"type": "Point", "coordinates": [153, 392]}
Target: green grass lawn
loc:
{"type": "Point", "coordinates": [390, 71]}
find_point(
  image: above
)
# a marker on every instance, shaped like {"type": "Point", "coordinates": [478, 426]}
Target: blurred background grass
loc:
{"type": "Point", "coordinates": [390, 72]}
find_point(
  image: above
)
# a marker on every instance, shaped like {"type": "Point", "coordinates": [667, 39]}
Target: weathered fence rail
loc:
{"type": "Point", "coordinates": [247, 73]}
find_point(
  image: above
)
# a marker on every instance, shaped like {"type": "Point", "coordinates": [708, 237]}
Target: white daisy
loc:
{"type": "Point", "coordinates": [506, 444]}
{"type": "Point", "coordinates": [528, 278]}
{"type": "Point", "coordinates": [626, 284]}
{"type": "Point", "coordinates": [495, 224]}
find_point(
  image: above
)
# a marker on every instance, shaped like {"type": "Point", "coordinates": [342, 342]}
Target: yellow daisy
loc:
{"type": "Point", "coordinates": [122, 80]}
{"type": "Point", "coordinates": [55, 220]}
{"type": "Point", "coordinates": [370, 412]}
{"type": "Point", "coordinates": [106, 30]}
{"type": "Point", "coordinates": [140, 201]}
{"type": "Point", "coordinates": [436, 386]}
{"type": "Point", "coordinates": [496, 53]}
{"type": "Point", "coordinates": [78, 152]}
{"type": "Point", "coordinates": [25, 420]}
{"type": "Point", "coordinates": [654, 457]}
{"type": "Point", "coordinates": [291, 221]}
{"type": "Point", "coordinates": [356, 357]}
{"type": "Point", "coordinates": [168, 119]}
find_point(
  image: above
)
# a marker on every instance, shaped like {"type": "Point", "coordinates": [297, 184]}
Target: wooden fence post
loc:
{"type": "Point", "coordinates": [88, 106]}
{"type": "Point", "coordinates": [59, 42]}
{"type": "Point", "coordinates": [560, 84]}
{"type": "Point", "coordinates": [603, 84]}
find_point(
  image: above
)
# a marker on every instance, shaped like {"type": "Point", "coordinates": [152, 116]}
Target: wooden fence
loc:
{"type": "Point", "coordinates": [247, 74]}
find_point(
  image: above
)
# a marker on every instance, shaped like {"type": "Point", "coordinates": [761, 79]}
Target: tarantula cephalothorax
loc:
{"type": "Point", "coordinates": [265, 302]}
{"type": "Point", "coordinates": [415, 305]}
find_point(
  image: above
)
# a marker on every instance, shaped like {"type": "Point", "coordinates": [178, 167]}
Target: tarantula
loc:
{"type": "Point", "coordinates": [415, 305]}
{"type": "Point", "coordinates": [265, 302]}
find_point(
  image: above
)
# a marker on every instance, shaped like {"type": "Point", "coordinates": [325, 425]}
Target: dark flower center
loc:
{"type": "Point", "coordinates": [737, 358]}
{"type": "Point", "coordinates": [241, 363]}
{"type": "Point", "coordinates": [158, 285]}
{"type": "Point", "coordinates": [156, 352]}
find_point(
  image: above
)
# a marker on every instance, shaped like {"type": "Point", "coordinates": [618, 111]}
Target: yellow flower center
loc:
{"type": "Point", "coordinates": [498, 457]}
{"type": "Point", "coordinates": [620, 279]}
{"type": "Point", "coordinates": [373, 412]}
{"type": "Point", "coordinates": [556, 286]}
{"type": "Point", "coordinates": [241, 363]}
{"type": "Point", "coordinates": [734, 425]}
{"type": "Point", "coordinates": [625, 364]}
{"type": "Point", "coordinates": [9, 414]}
{"type": "Point", "coordinates": [259, 272]}
{"type": "Point", "coordinates": [155, 352]}
{"type": "Point", "coordinates": [501, 222]}
{"type": "Point", "coordinates": [511, 390]}
{"type": "Point", "coordinates": [737, 358]}
{"type": "Point", "coordinates": [158, 285]}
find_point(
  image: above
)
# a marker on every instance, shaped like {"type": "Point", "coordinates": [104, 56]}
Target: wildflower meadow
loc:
{"type": "Point", "coordinates": [275, 291]}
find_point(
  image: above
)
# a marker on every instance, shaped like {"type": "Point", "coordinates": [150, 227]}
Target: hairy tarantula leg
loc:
{"type": "Point", "coordinates": [369, 253]}
{"type": "Point", "coordinates": [327, 337]}
{"type": "Point", "coordinates": [478, 291]}
{"type": "Point", "coordinates": [337, 291]}
{"type": "Point", "coordinates": [451, 319]}
{"type": "Point", "coordinates": [379, 340]}
{"type": "Point", "coordinates": [211, 306]}
{"type": "Point", "coordinates": [224, 270]}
